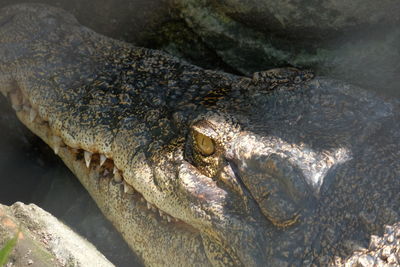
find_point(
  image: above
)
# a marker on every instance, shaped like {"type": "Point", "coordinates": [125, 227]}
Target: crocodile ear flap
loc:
{"type": "Point", "coordinates": [278, 187]}
{"type": "Point", "coordinates": [277, 206]}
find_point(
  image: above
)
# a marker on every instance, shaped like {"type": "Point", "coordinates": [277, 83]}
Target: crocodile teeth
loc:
{"type": "Point", "coordinates": [16, 108]}
{"type": "Point", "coordinates": [161, 213]}
{"type": "Point", "coordinates": [117, 175]}
{"type": "Point", "coordinates": [56, 149]}
{"type": "Point", "coordinates": [26, 108]}
{"type": "Point", "coordinates": [32, 114]}
{"type": "Point", "coordinates": [128, 189]}
{"type": "Point", "coordinates": [16, 101]}
{"type": "Point", "coordinates": [148, 206]}
{"type": "Point", "coordinates": [168, 218]}
{"type": "Point", "coordinates": [102, 159]}
{"type": "Point", "coordinates": [88, 158]}
{"type": "Point", "coordinates": [57, 141]}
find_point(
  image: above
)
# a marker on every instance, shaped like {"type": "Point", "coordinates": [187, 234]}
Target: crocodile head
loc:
{"type": "Point", "coordinates": [195, 166]}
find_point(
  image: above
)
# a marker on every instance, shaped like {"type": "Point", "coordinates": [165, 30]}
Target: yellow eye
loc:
{"type": "Point", "coordinates": [204, 143]}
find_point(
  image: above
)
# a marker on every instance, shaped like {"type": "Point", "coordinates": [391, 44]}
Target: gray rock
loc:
{"type": "Point", "coordinates": [43, 240]}
{"type": "Point", "coordinates": [130, 20]}
{"type": "Point", "coordinates": [382, 251]}
{"type": "Point", "coordinates": [356, 40]}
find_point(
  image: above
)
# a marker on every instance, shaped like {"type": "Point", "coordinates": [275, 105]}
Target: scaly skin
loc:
{"type": "Point", "coordinates": [198, 167]}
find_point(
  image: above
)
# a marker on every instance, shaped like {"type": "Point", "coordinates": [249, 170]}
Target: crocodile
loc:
{"type": "Point", "coordinates": [198, 167]}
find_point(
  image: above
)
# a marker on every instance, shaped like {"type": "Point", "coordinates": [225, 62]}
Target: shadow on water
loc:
{"type": "Point", "coordinates": [30, 173]}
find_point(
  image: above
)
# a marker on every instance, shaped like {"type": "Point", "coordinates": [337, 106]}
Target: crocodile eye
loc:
{"type": "Point", "coordinates": [204, 143]}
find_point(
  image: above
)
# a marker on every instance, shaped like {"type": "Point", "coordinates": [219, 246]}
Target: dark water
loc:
{"type": "Point", "coordinates": [31, 173]}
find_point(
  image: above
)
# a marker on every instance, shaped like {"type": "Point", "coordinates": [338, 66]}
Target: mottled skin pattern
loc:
{"type": "Point", "coordinates": [200, 167]}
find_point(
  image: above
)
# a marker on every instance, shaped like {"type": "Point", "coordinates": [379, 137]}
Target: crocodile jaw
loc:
{"type": "Point", "coordinates": [205, 225]}
{"type": "Point", "coordinates": [128, 214]}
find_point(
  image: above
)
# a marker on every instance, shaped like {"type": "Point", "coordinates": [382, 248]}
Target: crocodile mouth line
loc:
{"type": "Point", "coordinates": [95, 162]}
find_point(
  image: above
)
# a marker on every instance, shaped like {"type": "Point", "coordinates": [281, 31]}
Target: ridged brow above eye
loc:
{"type": "Point", "coordinates": [204, 144]}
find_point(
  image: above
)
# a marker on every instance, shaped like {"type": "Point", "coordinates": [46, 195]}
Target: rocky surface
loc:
{"type": "Point", "coordinates": [357, 41]}
{"type": "Point", "coordinates": [153, 24]}
{"type": "Point", "coordinates": [382, 251]}
{"type": "Point", "coordinates": [43, 240]}
{"type": "Point", "coordinates": [122, 19]}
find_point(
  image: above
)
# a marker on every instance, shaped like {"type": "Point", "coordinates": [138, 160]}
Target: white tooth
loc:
{"type": "Point", "coordinates": [16, 107]}
{"type": "Point", "coordinates": [57, 142]}
{"type": "Point", "coordinates": [142, 199]}
{"type": "Point", "coordinates": [117, 175]}
{"type": "Point", "coordinates": [26, 108]}
{"type": "Point", "coordinates": [16, 101]}
{"type": "Point", "coordinates": [168, 218]}
{"type": "Point", "coordinates": [161, 213]}
{"type": "Point", "coordinates": [128, 189]}
{"type": "Point", "coordinates": [88, 158]}
{"type": "Point", "coordinates": [32, 114]}
{"type": "Point", "coordinates": [148, 206]}
{"type": "Point", "coordinates": [102, 159]}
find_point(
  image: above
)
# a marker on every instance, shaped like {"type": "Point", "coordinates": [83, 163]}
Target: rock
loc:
{"type": "Point", "coordinates": [121, 19]}
{"type": "Point", "coordinates": [152, 24]}
{"type": "Point", "coordinates": [357, 41]}
{"type": "Point", "coordinates": [301, 19]}
{"type": "Point", "coordinates": [43, 240]}
{"type": "Point", "coordinates": [383, 251]}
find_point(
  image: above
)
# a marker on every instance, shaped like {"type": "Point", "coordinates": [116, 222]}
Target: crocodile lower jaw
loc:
{"type": "Point", "coordinates": [97, 164]}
